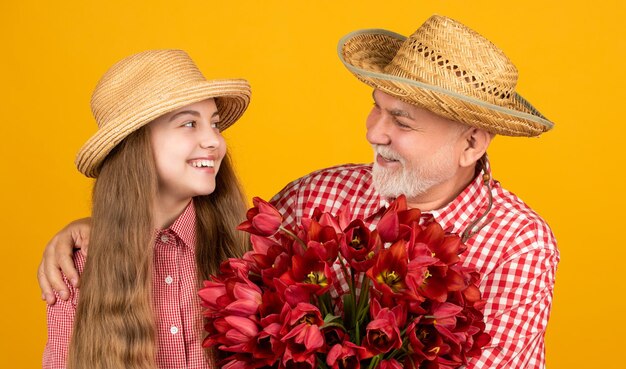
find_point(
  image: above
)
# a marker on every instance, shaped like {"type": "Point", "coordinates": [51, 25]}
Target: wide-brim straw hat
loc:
{"type": "Point", "coordinates": [447, 68]}
{"type": "Point", "coordinates": [144, 86]}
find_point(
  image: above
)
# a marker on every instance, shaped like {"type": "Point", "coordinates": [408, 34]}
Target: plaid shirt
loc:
{"type": "Point", "coordinates": [176, 304]}
{"type": "Point", "coordinates": [515, 253]}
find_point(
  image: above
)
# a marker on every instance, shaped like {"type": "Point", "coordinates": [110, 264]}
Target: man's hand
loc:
{"type": "Point", "coordinates": [57, 259]}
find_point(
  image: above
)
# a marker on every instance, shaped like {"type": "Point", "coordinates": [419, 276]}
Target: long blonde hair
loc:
{"type": "Point", "coordinates": [114, 325]}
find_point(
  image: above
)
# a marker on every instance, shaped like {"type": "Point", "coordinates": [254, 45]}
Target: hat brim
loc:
{"type": "Point", "coordinates": [366, 53]}
{"type": "Point", "coordinates": [231, 97]}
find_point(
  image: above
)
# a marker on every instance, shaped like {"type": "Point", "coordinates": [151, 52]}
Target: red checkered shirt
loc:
{"type": "Point", "coordinates": [515, 253]}
{"type": "Point", "coordinates": [176, 304]}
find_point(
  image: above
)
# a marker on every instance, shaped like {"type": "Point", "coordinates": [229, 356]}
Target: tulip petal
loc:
{"type": "Point", "coordinates": [266, 224]}
{"type": "Point", "coordinates": [313, 338]}
{"type": "Point", "coordinates": [388, 227]}
{"type": "Point", "coordinates": [242, 307]}
{"type": "Point", "coordinates": [244, 325]}
{"type": "Point", "coordinates": [247, 292]}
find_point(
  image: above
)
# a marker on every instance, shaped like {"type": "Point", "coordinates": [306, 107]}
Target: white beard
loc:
{"type": "Point", "coordinates": [412, 180]}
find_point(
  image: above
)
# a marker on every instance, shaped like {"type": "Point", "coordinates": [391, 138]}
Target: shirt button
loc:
{"type": "Point", "coordinates": [169, 279]}
{"type": "Point", "coordinates": [174, 329]}
{"type": "Point", "coordinates": [164, 238]}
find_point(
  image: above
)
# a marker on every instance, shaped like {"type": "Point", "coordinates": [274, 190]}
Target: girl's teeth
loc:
{"type": "Point", "coordinates": [203, 163]}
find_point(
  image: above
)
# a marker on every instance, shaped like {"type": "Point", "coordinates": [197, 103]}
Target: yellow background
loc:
{"type": "Point", "coordinates": [308, 112]}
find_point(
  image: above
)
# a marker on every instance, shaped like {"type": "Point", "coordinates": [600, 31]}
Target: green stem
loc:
{"type": "Point", "coordinates": [327, 302]}
{"type": "Point", "coordinates": [322, 304]}
{"type": "Point", "coordinates": [292, 235]}
{"type": "Point", "coordinates": [364, 296]}
{"type": "Point", "coordinates": [350, 285]}
{"type": "Point", "coordinates": [395, 353]}
{"type": "Point", "coordinates": [374, 362]}
{"type": "Point", "coordinates": [347, 276]}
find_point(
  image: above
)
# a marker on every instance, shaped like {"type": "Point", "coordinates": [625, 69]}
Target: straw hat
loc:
{"type": "Point", "coordinates": [144, 86]}
{"type": "Point", "coordinates": [447, 68]}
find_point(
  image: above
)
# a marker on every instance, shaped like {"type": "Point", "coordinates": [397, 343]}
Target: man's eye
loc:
{"type": "Point", "coordinates": [191, 123]}
{"type": "Point", "coordinates": [400, 124]}
{"type": "Point", "coordinates": [215, 125]}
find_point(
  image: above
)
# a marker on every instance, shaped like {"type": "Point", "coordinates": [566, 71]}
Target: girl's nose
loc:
{"type": "Point", "coordinates": [210, 138]}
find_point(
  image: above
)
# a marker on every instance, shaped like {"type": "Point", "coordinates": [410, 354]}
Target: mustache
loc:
{"type": "Point", "coordinates": [387, 153]}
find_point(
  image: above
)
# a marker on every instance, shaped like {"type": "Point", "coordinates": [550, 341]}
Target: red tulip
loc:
{"type": "Point", "coordinates": [445, 247]}
{"type": "Point", "coordinates": [389, 272]}
{"type": "Point", "coordinates": [360, 246]}
{"type": "Point", "coordinates": [346, 356]}
{"type": "Point", "coordinates": [232, 333]}
{"type": "Point", "coordinates": [327, 220]}
{"type": "Point", "coordinates": [310, 272]}
{"type": "Point", "coordinates": [316, 231]}
{"type": "Point", "coordinates": [238, 361]}
{"type": "Point", "coordinates": [247, 299]}
{"type": "Point", "coordinates": [424, 341]}
{"type": "Point", "coordinates": [399, 312]}
{"type": "Point", "coordinates": [263, 219]}
{"type": "Point", "coordinates": [382, 333]}
{"type": "Point", "coordinates": [291, 293]}
{"type": "Point", "coordinates": [390, 364]}
{"type": "Point", "coordinates": [333, 336]}
{"type": "Point", "coordinates": [396, 223]}
{"type": "Point", "coordinates": [301, 330]}
{"type": "Point", "coordinates": [234, 296]}
{"type": "Point", "coordinates": [240, 329]}
{"type": "Point", "coordinates": [307, 361]}
{"type": "Point", "coordinates": [263, 245]}
{"type": "Point", "coordinates": [210, 294]}
{"type": "Point", "coordinates": [280, 265]}
{"type": "Point", "coordinates": [268, 347]}
{"type": "Point", "coordinates": [434, 285]}
{"type": "Point", "coordinates": [326, 251]}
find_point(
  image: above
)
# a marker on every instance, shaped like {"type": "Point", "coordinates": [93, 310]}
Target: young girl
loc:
{"type": "Point", "coordinates": [165, 206]}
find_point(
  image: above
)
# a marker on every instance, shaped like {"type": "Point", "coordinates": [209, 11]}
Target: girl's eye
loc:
{"type": "Point", "coordinates": [191, 123]}
{"type": "Point", "coordinates": [215, 125]}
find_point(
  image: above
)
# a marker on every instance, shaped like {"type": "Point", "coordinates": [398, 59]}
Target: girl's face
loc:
{"type": "Point", "coordinates": [188, 149]}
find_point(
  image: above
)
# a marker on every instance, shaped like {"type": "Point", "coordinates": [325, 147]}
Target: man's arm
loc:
{"type": "Point", "coordinates": [519, 297]}
{"type": "Point", "coordinates": [57, 259]}
{"type": "Point", "coordinates": [60, 318]}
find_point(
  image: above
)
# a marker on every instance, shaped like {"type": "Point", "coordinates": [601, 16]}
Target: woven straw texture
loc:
{"type": "Point", "coordinates": [447, 68]}
{"type": "Point", "coordinates": [144, 86]}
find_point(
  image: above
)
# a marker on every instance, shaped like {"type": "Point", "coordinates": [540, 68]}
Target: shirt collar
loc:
{"type": "Point", "coordinates": [184, 227]}
{"type": "Point", "coordinates": [466, 207]}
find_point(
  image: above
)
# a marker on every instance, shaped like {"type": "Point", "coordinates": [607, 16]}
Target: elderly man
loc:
{"type": "Point", "coordinates": [440, 96]}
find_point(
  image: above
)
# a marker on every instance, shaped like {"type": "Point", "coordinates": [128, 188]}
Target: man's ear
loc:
{"type": "Point", "coordinates": [475, 142]}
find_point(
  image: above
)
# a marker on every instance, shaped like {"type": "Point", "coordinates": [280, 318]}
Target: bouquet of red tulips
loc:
{"type": "Point", "coordinates": [332, 293]}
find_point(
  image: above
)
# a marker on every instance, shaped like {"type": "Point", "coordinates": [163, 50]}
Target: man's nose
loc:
{"type": "Point", "coordinates": [378, 129]}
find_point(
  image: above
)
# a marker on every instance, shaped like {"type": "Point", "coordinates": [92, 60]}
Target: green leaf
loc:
{"type": "Point", "coordinates": [333, 324]}
{"type": "Point", "coordinates": [330, 318]}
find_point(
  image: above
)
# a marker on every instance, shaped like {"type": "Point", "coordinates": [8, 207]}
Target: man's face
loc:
{"type": "Point", "coordinates": [416, 152]}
